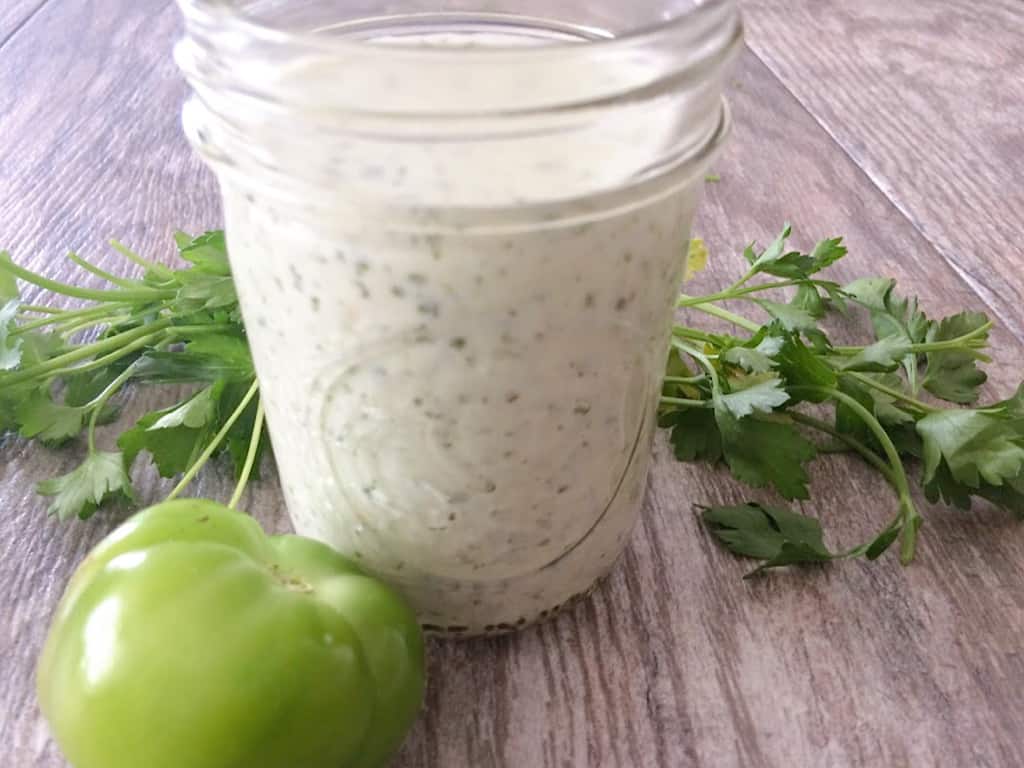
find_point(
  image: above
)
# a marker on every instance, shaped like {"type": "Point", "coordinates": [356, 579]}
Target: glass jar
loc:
{"type": "Point", "coordinates": [457, 230]}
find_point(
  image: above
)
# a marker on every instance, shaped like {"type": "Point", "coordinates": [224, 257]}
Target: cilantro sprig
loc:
{"type": "Point", "coordinates": [62, 371]}
{"type": "Point", "coordinates": [769, 399]}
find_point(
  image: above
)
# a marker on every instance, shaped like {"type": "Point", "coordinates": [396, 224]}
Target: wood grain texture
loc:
{"type": "Point", "coordinates": [926, 98]}
{"type": "Point", "coordinates": [14, 14]}
{"type": "Point", "coordinates": [675, 661]}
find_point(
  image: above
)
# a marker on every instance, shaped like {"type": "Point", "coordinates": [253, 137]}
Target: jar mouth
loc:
{"type": "Point", "coordinates": [229, 50]}
{"type": "Point", "coordinates": [231, 16]}
{"type": "Point", "coordinates": [276, 100]}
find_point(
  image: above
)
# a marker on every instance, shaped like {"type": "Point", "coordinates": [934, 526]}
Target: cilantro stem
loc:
{"type": "Point", "coordinates": [41, 309]}
{"type": "Point", "coordinates": [109, 277]}
{"type": "Point", "coordinates": [724, 314]}
{"type": "Point", "coordinates": [132, 256]}
{"type": "Point", "coordinates": [250, 456]}
{"type": "Point", "coordinates": [101, 400]}
{"type": "Point", "coordinates": [68, 315]}
{"type": "Point", "coordinates": [957, 343]}
{"type": "Point", "coordinates": [685, 379]}
{"type": "Point", "coordinates": [121, 295]}
{"type": "Point", "coordinates": [109, 344]}
{"type": "Point", "coordinates": [686, 403]}
{"type": "Point", "coordinates": [908, 513]}
{"type": "Point", "coordinates": [865, 452]}
{"type": "Point", "coordinates": [68, 331]}
{"type": "Point", "coordinates": [205, 328]}
{"type": "Point", "coordinates": [737, 291]}
{"type": "Point", "coordinates": [970, 341]}
{"type": "Point", "coordinates": [102, 362]}
{"type": "Point", "coordinates": [692, 334]}
{"type": "Point", "coordinates": [189, 476]}
{"type": "Point", "coordinates": [894, 393]}
{"type": "Point", "coordinates": [743, 280]}
{"type": "Point", "coordinates": [703, 359]}
{"type": "Point", "coordinates": [112, 357]}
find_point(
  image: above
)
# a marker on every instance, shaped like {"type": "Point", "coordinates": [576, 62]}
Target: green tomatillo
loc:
{"type": "Point", "coordinates": [190, 639]}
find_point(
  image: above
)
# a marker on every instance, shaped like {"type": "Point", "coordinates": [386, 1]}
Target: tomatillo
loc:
{"type": "Point", "coordinates": [190, 639]}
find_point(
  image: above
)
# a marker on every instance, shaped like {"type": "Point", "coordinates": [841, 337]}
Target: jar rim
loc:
{"type": "Point", "coordinates": [205, 12]}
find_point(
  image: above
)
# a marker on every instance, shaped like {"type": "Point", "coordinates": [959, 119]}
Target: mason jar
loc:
{"type": "Point", "coordinates": [457, 230]}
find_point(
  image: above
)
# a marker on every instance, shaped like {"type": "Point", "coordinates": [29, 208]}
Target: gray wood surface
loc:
{"type": "Point", "coordinates": [926, 98]}
{"type": "Point", "coordinates": [14, 14]}
{"type": "Point", "coordinates": [674, 661]}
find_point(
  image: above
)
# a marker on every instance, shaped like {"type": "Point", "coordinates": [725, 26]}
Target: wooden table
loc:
{"type": "Point", "coordinates": [897, 124]}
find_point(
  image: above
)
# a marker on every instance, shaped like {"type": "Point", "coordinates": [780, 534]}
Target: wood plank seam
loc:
{"type": "Point", "coordinates": [976, 287]}
{"type": "Point", "coordinates": [21, 24]}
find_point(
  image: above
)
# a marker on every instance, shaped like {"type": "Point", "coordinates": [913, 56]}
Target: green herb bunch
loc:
{"type": "Point", "coordinates": [757, 401]}
{"type": "Point", "coordinates": [61, 371]}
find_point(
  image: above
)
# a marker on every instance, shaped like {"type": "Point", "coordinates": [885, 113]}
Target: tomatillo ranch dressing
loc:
{"type": "Point", "coordinates": [457, 240]}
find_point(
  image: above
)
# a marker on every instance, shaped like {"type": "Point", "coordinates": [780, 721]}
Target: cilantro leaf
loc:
{"type": "Point", "coordinates": [975, 446]}
{"type": "Point", "coordinates": [794, 265]}
{"type": "Point", "coordinates": [83, 388]}
{"type": "Point", "coordinates": [38, 347]}
{"type": "Point", "coordinates": [173, 450]}
{"type": "Point", "coordinates": [778, 536]}
{"type": "Point", "coordinates": [8, 420]}
{"type": "Point", "coordinates": [194, 413]}
{"type": "Point", "coordinates": [791, 317]}
{"type": "Point", "coordinates": [826, 253]}
{"type": "Point", "coordinates": [175, 436]}
{"type": "Point", "coordinates": [941, 486]}
{"type": "Point", "coordinates": [800, 366]}
{"type": "Point", "coordinates": [201, 291]}
{"type": "Point", "coordinates": [10, 348]}
{"type": "Point", "coordinates": [756, 359]}
{"type": "Point", "coordinates": [836, 296]}
{"type": "Point", "coordinates": [208, 252]}
{"type": "Point", "coordinates": [884, 356]}
{"type": "Point", "coordinates": [232, 351]}
{"type": "Point", "coordinates": [53, 423]}
{"type": "Point", "coordinates": [763, 261]}
{"type": "Point", "coordinates": [887, 409]}
{"type": "Point", "coordinates": [1014, 407]}
{"type": "Point", "coordinates": [944, 487]}
{"type": "Point", "coordinates": [97, 480]}
{"type": "Point", "coordinates": [695, 435]}
{"type": "Point", "coordinates": [809, 300]}
{"type": "Point", "coordinates": [761, 393]}
{"type": "Point", "coordinates": [1009, 495]}
{"type": "Point", "coordinates": [765, 453]}
{"type": "Point", "coordinates": [953, 375]}
{"type": "Point", "coordinates": [208, 358]}
{"type": "Point", "coordinates": [892, 316]}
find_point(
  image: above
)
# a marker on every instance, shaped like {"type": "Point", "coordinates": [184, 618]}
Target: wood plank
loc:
{"type": "Point", "coordinates": [15, 13]}
{"type": "Point", "coordinates": [926, 97]}
{"type": "Point", "coordinates": [675, 661]}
